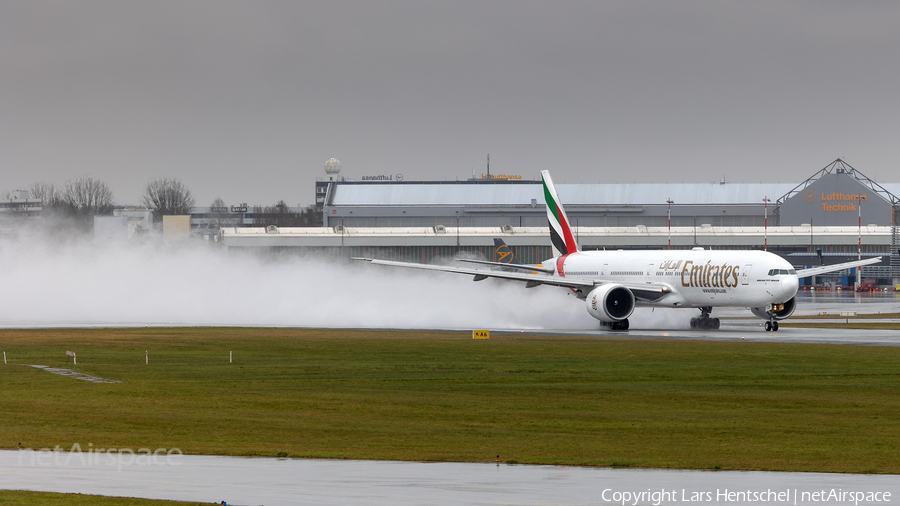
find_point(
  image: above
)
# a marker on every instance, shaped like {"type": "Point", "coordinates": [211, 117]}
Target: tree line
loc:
{"type": "Point", "coordinates": [82, 198]}
{"type": "Point", "coordinates": [280, 215]}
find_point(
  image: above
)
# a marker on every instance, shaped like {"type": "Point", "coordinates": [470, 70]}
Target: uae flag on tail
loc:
{"type": "Point", "coordinates": [561, 237]}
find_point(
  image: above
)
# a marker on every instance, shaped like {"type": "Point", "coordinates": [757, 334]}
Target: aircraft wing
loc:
{"type": "Point", "coordinates": [523, 267]}
{"type": "Point", "coordinates": [822, 269]}
{"type": "Point", "coordinates": [641, 291]}
{"type": "Point", "coordinates": [542, 279]}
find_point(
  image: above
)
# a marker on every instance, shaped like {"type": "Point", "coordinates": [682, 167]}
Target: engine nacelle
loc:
{"type": "Point", "coordinates": [610, 303]}
{"type": "Point", "coordinates": [776, 311]}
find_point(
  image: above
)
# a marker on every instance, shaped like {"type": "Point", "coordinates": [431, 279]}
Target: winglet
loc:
{"type": "Point", "coordinates": [561, 237]}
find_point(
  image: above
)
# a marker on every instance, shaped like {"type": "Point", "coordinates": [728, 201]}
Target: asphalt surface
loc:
{"type": "Point", "coordinates": [738, 323]}
{"type": "Point", "coordinates": [746, 332]}
{"type": "Point", "coordinates": [253, 481]}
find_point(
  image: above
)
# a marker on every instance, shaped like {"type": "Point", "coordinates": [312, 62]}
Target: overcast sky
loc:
{"type": "Point", "coordinates": [247, 100]}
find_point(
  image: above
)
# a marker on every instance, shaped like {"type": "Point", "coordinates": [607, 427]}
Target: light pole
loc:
{"type": "Point", "coordinates": [859, 240]}
{"type": "Point", "coordinates": [669, 213]}
{"type": "Point", "coordinates": [766, 223]}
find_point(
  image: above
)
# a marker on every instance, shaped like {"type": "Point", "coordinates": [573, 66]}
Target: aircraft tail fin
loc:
{"type": "Point", "coordinates": [503, 254]}
{"type": "Point", "coordinates": [561, 237]}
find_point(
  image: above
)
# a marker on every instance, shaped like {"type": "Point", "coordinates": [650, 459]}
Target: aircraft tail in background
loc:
{"type": "Point", "coordinates": [503, 254]}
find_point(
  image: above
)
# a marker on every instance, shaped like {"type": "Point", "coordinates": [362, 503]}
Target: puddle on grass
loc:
{"type": "Point", "coordinates": [75, 375]}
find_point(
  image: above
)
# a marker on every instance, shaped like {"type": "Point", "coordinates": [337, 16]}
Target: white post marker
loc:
{"type": "Point", "coordinates": [4, 358]}
{"type": "Point", "coordinates": [229, 357]}
{"type": "Point", "coordinates": [147, 356]}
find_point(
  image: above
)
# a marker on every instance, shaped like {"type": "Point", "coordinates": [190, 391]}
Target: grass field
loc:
{"type": "Point", "coordinates": [447, 397]}
{"type": "Point", "coordinates": [23, 498]}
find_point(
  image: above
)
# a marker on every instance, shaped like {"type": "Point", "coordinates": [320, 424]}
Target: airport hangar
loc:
{"type": "Point", "coordinates": [809, 223]}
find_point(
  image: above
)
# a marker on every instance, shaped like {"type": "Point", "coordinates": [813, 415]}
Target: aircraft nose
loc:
{"type": "Point", "coordinates": [790, 285]}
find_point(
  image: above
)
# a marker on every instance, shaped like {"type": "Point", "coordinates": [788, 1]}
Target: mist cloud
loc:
{"type": "Point", "coordinates": [72, 282]}
{"type": "Point", "coordinates": [193, 284]}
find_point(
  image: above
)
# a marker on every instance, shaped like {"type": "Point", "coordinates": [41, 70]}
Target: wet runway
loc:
{"type": "Point", "coordinates": [738, 324]}
{"type": "Point", "coordinates": [252, 481]}
{"type": "Point", "coordinates": [750, 331]}
{"type": "Point", "coordinates": [811, 303]}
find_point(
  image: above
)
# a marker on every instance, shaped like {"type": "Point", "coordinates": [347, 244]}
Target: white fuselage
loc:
{"type": "Point", "coordinates": [697, 278]}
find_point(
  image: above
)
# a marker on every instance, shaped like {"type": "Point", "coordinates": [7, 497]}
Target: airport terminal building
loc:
{"type": "Point", "coordinates": [826, 218]}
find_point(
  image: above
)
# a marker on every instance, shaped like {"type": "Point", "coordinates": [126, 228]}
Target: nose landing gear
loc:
{"type": "Point", "coordinates": [705, 322]}
{"type": "Point", "coordinates": [772, 326]}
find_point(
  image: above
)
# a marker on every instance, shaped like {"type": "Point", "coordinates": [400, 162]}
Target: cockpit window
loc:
{"type": "Point", "coordinates": [776, 272]}
{"type": "Point", "coordinates": [792, 271]}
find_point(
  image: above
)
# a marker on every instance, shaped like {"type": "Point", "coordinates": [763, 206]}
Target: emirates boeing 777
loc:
{"type": "Point", "coordinates": [613, 283]}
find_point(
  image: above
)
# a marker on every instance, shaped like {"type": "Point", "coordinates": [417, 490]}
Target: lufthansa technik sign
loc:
{"type": "Point", "coordinates": [835, 200]}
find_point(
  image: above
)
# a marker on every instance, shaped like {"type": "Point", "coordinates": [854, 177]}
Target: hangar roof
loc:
{"type": "Point", "coordinates": [437, 194]}
{"type": "Point", "coordinates": [417, 194]}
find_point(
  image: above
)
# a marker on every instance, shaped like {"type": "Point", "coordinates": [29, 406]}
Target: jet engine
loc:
{"type": "Point", "coordinates": [776, 311]}
{"type": "Point", "coordinates": [610, 303]}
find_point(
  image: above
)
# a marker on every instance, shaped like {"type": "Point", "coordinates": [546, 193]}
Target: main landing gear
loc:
{"type": "Point", "coordinates": [620, 325]}
{"type": "Point", "coordinates": [771, 326]}
{"type": "Point", "coordinates": [705, 322]}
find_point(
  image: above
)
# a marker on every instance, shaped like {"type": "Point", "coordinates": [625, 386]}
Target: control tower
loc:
{"type": "Point", "coordinates": [332, 175]}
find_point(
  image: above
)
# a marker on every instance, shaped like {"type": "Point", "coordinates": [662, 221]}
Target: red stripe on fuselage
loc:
{"type": "Point", "coordinates": [560, 265]}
